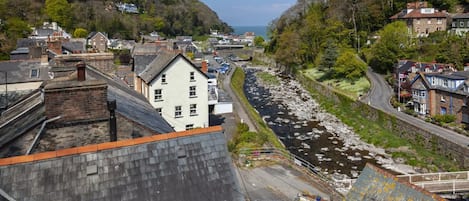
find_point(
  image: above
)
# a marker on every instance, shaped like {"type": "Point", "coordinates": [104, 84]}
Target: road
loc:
{"type": "Point", "coordinates": [379, 97]}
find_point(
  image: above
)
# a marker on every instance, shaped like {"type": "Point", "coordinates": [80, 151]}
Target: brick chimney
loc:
{"type": "Point", "coordinates": [55, 46]}
{"type": "Point", "coordinates": [204, 67]}
{"type": "Point", "coordinates": [81, 72]}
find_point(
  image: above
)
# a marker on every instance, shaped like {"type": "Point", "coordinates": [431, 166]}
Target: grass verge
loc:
{"type": "Point", "coordinates": [375, 133]}
{"type": "Point", "coordinates": [268, 78]}
{"type": "Point", "coordinates": [244, 139]}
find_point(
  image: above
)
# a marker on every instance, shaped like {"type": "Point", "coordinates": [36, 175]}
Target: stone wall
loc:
{"type": "Point", "coordinates": [397, 126]}
{"type": "Point", "coordinates": [76, 101]}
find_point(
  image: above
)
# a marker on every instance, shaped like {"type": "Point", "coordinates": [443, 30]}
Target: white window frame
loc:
{"type": "Point", "coordinates": [192, 91]}
{"type": "Point", "coordinates": [193, 109]}
{"type": "Point", "coordinates": [31, 73]}
{"type": "Point", "coordinates": [189, 127]}
{"type": "Point", "coordinates": [163, 79]}
{"type": "Point", "coordinates": [158, 95]}
{"type": "Point", "coordinates": [445, 83]}
{"type": "Point", "coordinates": [192, 76]}
{"type": "Point", "coordinates": [177, 111]}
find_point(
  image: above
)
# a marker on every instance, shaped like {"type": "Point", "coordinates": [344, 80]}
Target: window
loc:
{"type": "Point", "coordinates": [193, 109]}
{"type": "Point", "coordinates": [442, 99]}
{"type": "Point", "coordinates": [461, 24]}
{"type": "Point", "coordinates": [178, 111]}
{"type": "Point", "coordinates": [34, 73]}
{"type": "Point", "coordinates": [159, 110]}
{"type": "Point", "coordinates": [192, 76]}
{"type": "Point", "coordinates": [445, 83]}
{"type": "Point", "coordinates": [158, 95]}
{"type": "Point", "coordinates": [422, 93]}
{"type": "Point", "coordinates": [429, 21]}
{"type": "Point", "coordinates": [467, 24]}
{"type": "Point", "coordinates": [439, 21]}
{"type": "Point", "coordinates": [163, 79]}
{"type": "Point", "coordinates": [192, 91]}
{"type": "Point", "coordinates": [418, 21]}
{"type": "Point", "coordinates": [189, 127]}
{"type": "Point", "coordinates": [453, 24]}
{"type": "Point", "coordinates": [443, 110]}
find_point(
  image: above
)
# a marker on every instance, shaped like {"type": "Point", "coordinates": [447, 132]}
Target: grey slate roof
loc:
{"type": "Point", "coordinates": [132, 104]}
{"type": "Point", "coordinates": [196, 167]}
{"type": "Point", "coordinates": [162, 60]}
{"type": "Point", "coordinates": [376, 184]}
{"type": "Point", "coordinates": [73, 46]}
{"type": "Point", "coordinates": [20, 71]}
{"type": "Point", "coordinates": [141, 62]}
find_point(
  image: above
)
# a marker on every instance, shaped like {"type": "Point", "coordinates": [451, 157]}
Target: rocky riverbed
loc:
{"type": "Point", "coordinates": [310, 132]}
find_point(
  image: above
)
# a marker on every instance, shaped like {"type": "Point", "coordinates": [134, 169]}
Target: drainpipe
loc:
{"type": "Point", "coordinates": [111, 105]}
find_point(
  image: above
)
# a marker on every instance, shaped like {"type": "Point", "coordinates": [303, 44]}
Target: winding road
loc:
{"type": "Point", "coordinates": [379, 97]}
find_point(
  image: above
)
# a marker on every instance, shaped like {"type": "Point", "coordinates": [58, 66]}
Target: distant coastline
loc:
{"type": "Point", "coordinates": [259, 30]}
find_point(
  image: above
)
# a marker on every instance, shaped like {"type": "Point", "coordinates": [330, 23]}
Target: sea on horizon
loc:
{"type": "Point", "coordinates": [258, 30]}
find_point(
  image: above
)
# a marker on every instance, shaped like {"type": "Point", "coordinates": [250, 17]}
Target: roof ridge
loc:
{"type": "Point", "coordinates": [106, 145]}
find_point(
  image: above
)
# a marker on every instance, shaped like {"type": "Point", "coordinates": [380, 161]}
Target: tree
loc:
{"type": "Point", "coordinates": [259, 41]}
{"type": "Point", "coordinates": [391, 45]}
{"type": "Point", "coordinates": [330, 56]}
{"type": "Point", "coordinates": [60, 12]}
{"type": "Point", "coordinates": [80, 33]}
{"type": "Point", "coordinates": [349, 65]}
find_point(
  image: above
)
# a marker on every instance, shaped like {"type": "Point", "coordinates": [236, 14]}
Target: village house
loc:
{"type": "Point", "coordinates": [422, 20]}
{"type": "Point", "coordinates": [177, 89]}
{"type": "Point", "coordinates": [98, 41]}
{"type": "Point", "coordinates": [460, 23]}
{"type": "Point", "coordinates": [442, 93]}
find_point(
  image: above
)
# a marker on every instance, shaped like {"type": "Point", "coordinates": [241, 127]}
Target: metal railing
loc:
{"type": "Point", "coordinates": [276, 154]}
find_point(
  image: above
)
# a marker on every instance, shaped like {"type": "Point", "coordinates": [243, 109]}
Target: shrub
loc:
{"type": "Point", "coordinates": [444, 118]}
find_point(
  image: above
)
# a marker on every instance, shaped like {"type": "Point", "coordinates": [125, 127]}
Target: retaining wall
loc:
{"type": "Point", "coordinates": [403, 129]}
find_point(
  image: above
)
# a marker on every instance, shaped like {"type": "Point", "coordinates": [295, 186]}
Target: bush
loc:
{"type": "Point", "coordinates": [444, 118]}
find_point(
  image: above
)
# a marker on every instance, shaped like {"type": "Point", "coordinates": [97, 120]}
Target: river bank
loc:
{"type": "Point", "coordinates": [310, 132]}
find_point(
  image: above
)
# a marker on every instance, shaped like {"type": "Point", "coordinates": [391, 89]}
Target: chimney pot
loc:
{"type": "Point", "coordinates": [81, 74]}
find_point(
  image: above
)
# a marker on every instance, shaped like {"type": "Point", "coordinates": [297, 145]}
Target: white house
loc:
{"type": "Point", "coordinates": [177, 89]}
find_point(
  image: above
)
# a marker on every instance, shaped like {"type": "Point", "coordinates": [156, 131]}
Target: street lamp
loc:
{"type": "Point", "coordinates": [6, 90]}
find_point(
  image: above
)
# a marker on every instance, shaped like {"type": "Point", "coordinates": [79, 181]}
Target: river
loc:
{"type": "Point", "coordinates": [308, 131]}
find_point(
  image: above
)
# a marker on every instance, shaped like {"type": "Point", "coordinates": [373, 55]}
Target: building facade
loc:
{"type": "Point", "coordinates": [177, 89]}
{"type": "Point", "coordinates": [460, 23]}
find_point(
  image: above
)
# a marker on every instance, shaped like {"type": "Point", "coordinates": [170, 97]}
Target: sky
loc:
{"type": "Point", "coordinates": [249, 12]}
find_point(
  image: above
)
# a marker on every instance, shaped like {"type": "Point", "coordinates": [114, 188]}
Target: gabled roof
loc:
{"type": "Point", "coordinates": [142, 61]}
{"type": "Point", "coordinates": [163, 60]}
{"type": "Point", "coordinates": [28, 42]}
{"type": "Point", "coordinates": [377, 184]}
{"type": "Point", "coordinates": [132, 104]}
{"type": "Point", "coordinates": [420, 85]}
{"type": "Point", "coordinates": [189, 165]}
{"type": "Point", "coordinates": [94, 34]}
{"type": "Point", "coordinates": [416, 13]}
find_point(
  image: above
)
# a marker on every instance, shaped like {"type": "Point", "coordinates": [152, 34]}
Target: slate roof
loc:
{"type": "Point", "coordinates": [141, 62]}
{"type": "Point", "coordinates": [28, 42]}
{"type": "Point", "coordinates": [74, 46]}
{"type": "Point", "coordinates": [190, 165]}
{"type": "Point", "coordinates": [20, 71]}
{"type": "Point", "coordinates": [460, 16]}
{"type": "Point", "coordinates": [132, 104]}
{"type": "Point", "coordinates": [162, 61]}
{"type": "Point", "coordinates": [377, 184]}
{"type": "Point", "coordinates": [416, 13]}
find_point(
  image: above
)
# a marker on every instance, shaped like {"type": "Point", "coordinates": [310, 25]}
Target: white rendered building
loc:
{"type": "Point", "coordinates": [177, 89]}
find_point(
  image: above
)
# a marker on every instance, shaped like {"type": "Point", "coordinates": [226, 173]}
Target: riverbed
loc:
{"type": "Point", "coordinates": [311, 133]}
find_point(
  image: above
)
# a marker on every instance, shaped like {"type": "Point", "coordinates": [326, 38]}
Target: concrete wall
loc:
{"type": "Point", "coordinates": [397, 126]}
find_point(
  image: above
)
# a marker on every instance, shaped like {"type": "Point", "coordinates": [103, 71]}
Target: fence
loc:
{"type": "Point", "coordinates": [341, 186]}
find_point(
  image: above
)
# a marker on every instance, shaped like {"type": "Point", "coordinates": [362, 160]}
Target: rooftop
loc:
{"type": "Point", "coordinates": [188, 165]}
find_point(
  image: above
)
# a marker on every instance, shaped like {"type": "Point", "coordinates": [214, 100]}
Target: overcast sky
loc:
{"type": "Point", "coordinates": [248, 12]}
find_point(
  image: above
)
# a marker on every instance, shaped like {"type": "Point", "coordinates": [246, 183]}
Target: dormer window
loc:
{"type": "Point", "coordinates": [445, 83]}
{"type": "Point", "coordinates": [34, 73]}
